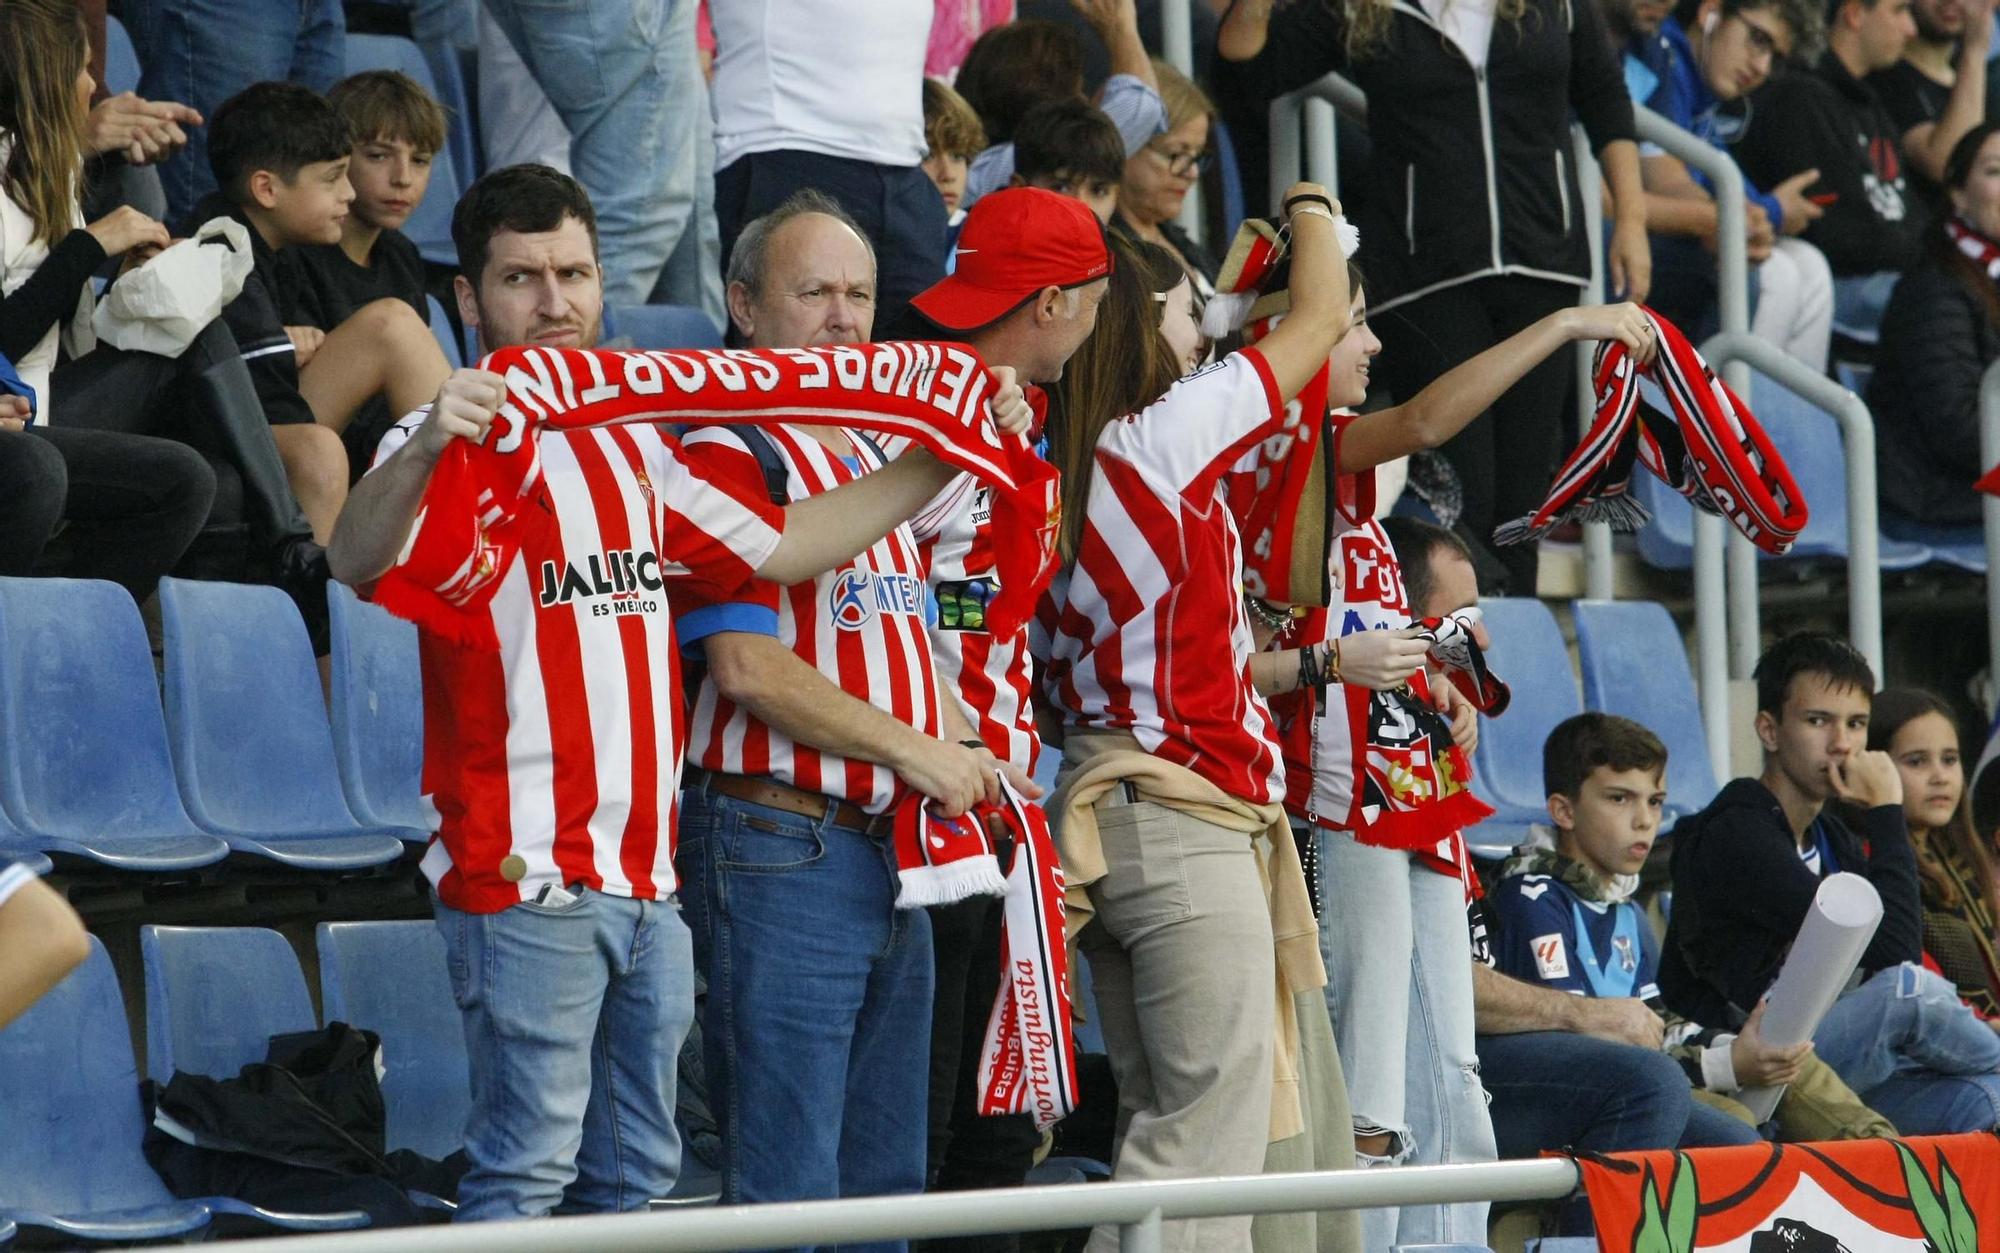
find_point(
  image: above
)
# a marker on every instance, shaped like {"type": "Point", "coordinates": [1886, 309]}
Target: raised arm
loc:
{"type": "Point", "coordinates": [1117, 24]}
{"type": "Point", "coordinates": [1443, 409]}
{"type": "Point", "coordinates": [1927, 144]}
{"type": "Point", "coordinates": [382, 507]}
{"type": "Point", "coordinates": [1321, 299]}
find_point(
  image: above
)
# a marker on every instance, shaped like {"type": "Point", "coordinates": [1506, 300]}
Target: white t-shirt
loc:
{"type": "Point", "coordinates": [844, 78]}
{"type": "Point", "coordinates": [1468, 23]}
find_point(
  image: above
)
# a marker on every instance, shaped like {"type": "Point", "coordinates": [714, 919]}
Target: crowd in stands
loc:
{"type": "Point", "coordinates": [1264, 793]}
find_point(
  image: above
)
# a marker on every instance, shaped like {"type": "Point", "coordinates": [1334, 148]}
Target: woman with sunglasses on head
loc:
{"type": "Point", "coordinates": [1159, 176]}
{"type": "Point", "coordinates": [1474, 226]}
{"type": "Point", "coordinates": [1185, 889]}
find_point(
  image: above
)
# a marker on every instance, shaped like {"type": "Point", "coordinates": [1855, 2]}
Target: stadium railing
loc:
{"type": "Point", "coordinates": [1136, 1209]}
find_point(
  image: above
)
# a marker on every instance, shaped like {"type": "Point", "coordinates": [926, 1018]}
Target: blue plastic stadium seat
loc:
{"type": "Point", "coordinates": [448, 341]}
{"type": "Point", "coordinates": [216, 995]}
{"type": "Point", "coordinates": [1529, 654]}
{"type": "Point", "coordinates": [1231, 177]}
{"type": "Point", "coordinates": [429, 226]}
{"type": "Point", "coordinates": [71, 1168]}
{"type": "Point", "coordinates": [378, 713]}
{"type": "Point", "coordinates": [1441, 1248]}
{"type": "Point", "coordinates": [662, 326]}
{"type": "Point", "coordinates": [1809, 441]}
{"type": "Point", "coordinates": [1961, 546]}
{"type": "Point", "coordinates": [14, 847]}
{"type": "Point", "coordinates": [121, 62]}
{"type": "Point", "coordinates": [390, 978]}
{"type": "Point", "coordinates": [1562, 1244]}
{"type": "Point", "coordinates": [1090, 1026]}
{"type": "Point", "coordinates": [1635, 665]}
{"type": "Point", "coordinates": [251, 745]}
{"type": "Point", "coordinates": [86, 773]}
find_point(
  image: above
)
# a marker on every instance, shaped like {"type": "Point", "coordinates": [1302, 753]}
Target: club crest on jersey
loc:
{"type": "Point", "coordinates": [856, 596]}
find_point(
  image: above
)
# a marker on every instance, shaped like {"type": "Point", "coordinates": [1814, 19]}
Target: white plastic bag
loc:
{"type": "Point", "coordinates": [162, 305]}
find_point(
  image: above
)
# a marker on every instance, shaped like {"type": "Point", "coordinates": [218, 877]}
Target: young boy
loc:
{"type": "Point", "coordinates": [1566, 920]}
{"type": "Point", "coordinates": [280, 155]}
{"type": "Point", "coordinates": [398, 131]}
{"type": "Point", "coordinates": [1072, 149]}
{"type": "Point", "coordinates": [1746, 870]}
{"type": "Point", "coordinates": [954, 136]}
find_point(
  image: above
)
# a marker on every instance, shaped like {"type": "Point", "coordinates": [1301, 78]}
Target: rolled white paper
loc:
{"type": "Point", "coordinates": [1837, 929]}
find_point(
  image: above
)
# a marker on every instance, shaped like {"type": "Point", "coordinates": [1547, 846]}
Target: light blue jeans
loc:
{"type": "Point", "coordinates": [1859, 300]}
{"type": "Point", "coordinates": [574, 1016]}
{"type": "Point", "coordinates": [1912, 1050]}
{"type": "Point", "coordinates": [623, 76]}
{"type": "Point", "coordinates": [817, 1024]}
{"type": "Point", "coordinates": [1399, 985]}
{"type": "Point", "coordinates": [201, 52]}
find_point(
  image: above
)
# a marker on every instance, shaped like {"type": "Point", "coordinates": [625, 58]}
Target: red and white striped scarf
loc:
{"type": "Point", "coordinates": [1027, 1064]}
{"type": "Point", "coordinates": [471, 523]}
{"type": "Point", "coordinates": [1711, 451]}
{"type": "Point", "coordinates": [1974, 244]}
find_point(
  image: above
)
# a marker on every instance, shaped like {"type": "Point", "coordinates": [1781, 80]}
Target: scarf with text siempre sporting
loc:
{"type": "Point", "coordinates": [1027, 1063]}
{"type": "Point", "coordinates": [470, 525]}
{"type": "Point", "coordinates": [1711, 451]}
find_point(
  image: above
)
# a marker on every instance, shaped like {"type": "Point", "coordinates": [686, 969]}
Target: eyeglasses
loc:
{"type": "Point", "coordinates": [1763, 42]}
{"type": "Point", "coordinates": [1181, 164]}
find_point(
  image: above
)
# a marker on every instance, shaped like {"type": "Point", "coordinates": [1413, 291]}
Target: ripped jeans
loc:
{"type": "Point", "coordinates": [1914, 1052]}
{"type": "Point", "coordinates": [1399, 985]}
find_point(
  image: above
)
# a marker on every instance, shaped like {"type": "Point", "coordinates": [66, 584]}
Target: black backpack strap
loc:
{"type": "Point", "coordinates": [770, 462]}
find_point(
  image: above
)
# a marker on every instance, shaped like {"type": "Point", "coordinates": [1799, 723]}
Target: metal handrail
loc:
{"type": "Point", "coordinates": [1137, 1209]}
{"type": "Point", "coordinates": [1857, 436]}
{"type": "Point", "coordinates": [1989, 507]}
{"type": "Point", "coordinates": [1717, 605]}
{"type": "Point", "coordinates": [1177, 50]}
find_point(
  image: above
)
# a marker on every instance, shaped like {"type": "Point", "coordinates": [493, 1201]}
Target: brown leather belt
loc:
{"type": "Point", "coordinates": [792, 800]}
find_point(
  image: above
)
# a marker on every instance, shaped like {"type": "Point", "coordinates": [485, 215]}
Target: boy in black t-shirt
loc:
{"type": "Point", "coordinates": [1938, 91]}
{"type": "Point", "coordinates": [280, 155]}
{"type": "Point", "coordinates": [398, 130]}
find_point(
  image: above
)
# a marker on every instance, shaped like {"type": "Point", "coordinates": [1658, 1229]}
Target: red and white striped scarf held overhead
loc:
{"type": "Point", "coordinates": [470, 526]}
{"type": "Point", "coordinates": [1711, 451]}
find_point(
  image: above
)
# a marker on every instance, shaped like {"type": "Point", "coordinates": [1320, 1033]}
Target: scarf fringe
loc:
{"type": "Point", "coordinates": [921, 887]}
{"type": "Point", "coordinates": [1623, 512]}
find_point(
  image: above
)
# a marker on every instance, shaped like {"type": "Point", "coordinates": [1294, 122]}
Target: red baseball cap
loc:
{"type": "Point", "coordinates": [1015, 242]}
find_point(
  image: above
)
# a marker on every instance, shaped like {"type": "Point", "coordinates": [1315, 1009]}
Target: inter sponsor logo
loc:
{"type": "Point", "coordinates": [858, 595]}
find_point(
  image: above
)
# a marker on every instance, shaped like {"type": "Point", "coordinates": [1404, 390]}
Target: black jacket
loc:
{"type": "Point", "coordinates": [1740, 893]}
{"type": "Point", "coordinates": [1827, 119]}
{"type": "Point", "coordinates": [270, 300]}
{"type": "Point", "coordinates": [1936, 344]}
{"type": "Point", "coordinates": [1471, 172]}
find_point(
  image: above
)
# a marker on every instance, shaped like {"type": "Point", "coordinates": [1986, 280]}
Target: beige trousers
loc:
{"type": "Point", "coordinates": [1181, 963]}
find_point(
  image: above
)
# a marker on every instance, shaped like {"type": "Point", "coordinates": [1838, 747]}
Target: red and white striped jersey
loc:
{"type": "Point", "coordinates": [557, 759]}
{"type": "Point", "coordinates": [992, 678]}
{"type": "Point", "coordinates": [1146, 629]}
{"type": "Point", "coordinates": [863, 625]}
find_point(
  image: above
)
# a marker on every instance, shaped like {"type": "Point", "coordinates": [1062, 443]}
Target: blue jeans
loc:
{"type": "Point", "coordinates": [573, 1018]}
{"type": "Point", "coordinates": [623, 77]}
{"type": "Point", "coordinates": [1904, 1039]}
{"type": "Point", "coordinates": [1859, 300]}
{"type": "Point", "coordinates": [202, 52]}
{"type": "Point", "coordinates": [1560, 1089]}
{"type": "Point", "coordinates": [1399, 986]}
{"type": "Point", "coordinates": [817, 1023]}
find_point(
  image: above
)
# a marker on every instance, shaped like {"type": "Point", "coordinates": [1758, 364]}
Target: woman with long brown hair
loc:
{"type": "Point", "coordinates": [1961, 896]}
{"type": "Point", "coordinates": [100, 401]}
{"type": "Point", "coordinates": [1185, 888]}
{"type": "Point", "coordinates": [132, 505]}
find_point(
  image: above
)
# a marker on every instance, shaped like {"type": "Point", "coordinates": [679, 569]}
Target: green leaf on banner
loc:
{"type": "Point", "coordinates": [1924, 1199]}
{"type": "Point", "coordinates": [1683, 1206]}
{"type": "Point", "coordinates": [1964, 1223]}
